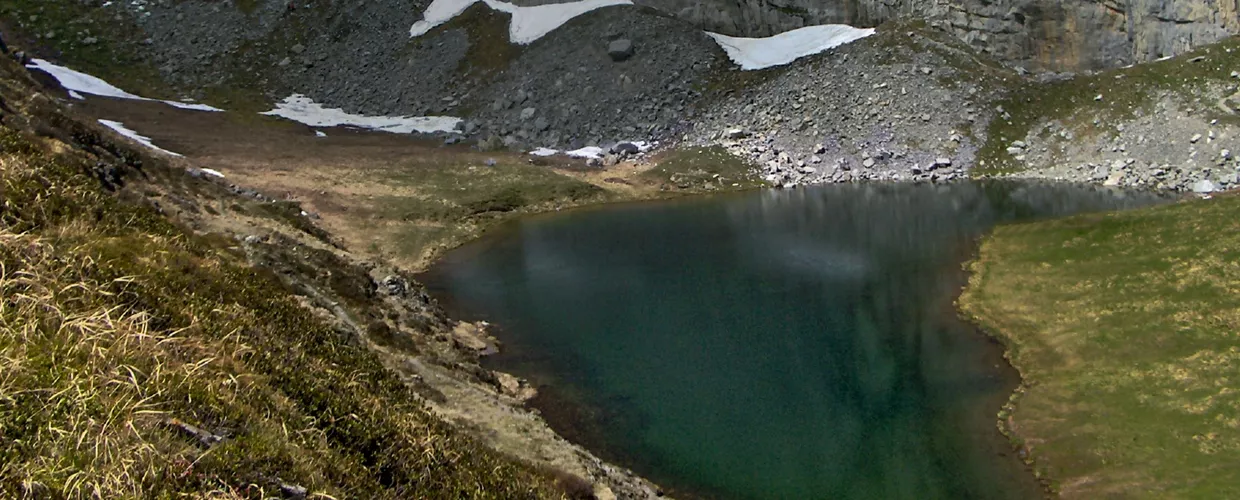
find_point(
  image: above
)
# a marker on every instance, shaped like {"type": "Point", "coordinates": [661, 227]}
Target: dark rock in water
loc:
{"type": "Point", "coordinates": [625, 148]}
{"type": "Point", "coordinates": [620, 50]}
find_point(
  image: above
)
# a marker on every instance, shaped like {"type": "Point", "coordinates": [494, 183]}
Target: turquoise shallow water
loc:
{"type": "Point", "coordinates": [769, 345]}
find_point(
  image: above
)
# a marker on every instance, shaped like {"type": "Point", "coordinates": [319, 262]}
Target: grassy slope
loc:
{"type": "Point", "coordinates": [1124, 92]}
{"type": "Point", "coordinates": [117, 326]}
{"type": "Point", "coordinates": [1124, 327]}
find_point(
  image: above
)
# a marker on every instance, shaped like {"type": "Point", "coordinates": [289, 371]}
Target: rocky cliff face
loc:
{"type": "Point", "coordinates": [1039, 34]}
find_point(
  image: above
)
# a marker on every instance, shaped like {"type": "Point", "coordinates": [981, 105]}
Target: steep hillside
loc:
{"type": "Point", "coordinates": [164, 333]}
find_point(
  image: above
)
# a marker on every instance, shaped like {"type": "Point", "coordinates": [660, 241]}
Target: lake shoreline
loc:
{"type": "Point", "coordinates": [555, 409]}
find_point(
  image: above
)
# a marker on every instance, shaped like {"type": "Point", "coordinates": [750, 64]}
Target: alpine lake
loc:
{"type": "Point", "coordinates": [796, 344]}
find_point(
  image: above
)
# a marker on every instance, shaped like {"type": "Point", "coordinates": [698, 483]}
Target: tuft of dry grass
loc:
{"type": "Point", "coordinates": [82, 385]}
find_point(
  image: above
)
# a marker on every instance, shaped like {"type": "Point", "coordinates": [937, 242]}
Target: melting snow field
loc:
{"type": "Point", "coordinates": [302, 109]}
{"type": "Point", "coordinates": [527, 24]}
{"type": "Point", "coordinates": [78, 83]}
{"type": "Point", "coordinates": [759, 53]}
{"type": "Point", "coordinates": [140, 139]}
{"type": "Point", "coordinates": [531, 23]}
{"type": "Point", "coordinates": [589, 151]}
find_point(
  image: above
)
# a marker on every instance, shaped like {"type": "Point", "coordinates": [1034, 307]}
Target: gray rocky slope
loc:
{"type": "Point", "coordinates": [1040, 34]}
{"type": "Point", "coordinates": [916, 101]}
{"type": "Point", "coordinates": [902, 105]}
{"type": "Point", "coordinates": [563, 90]}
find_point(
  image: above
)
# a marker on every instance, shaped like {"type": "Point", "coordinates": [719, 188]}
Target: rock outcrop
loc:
{"type": "Point", "coordinates": [1040, 34]}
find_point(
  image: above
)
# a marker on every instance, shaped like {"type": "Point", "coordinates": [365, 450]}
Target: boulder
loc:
{"type": "Point", "coordinates": [620, 50]}
{"type": "Point", "coordinates": [1204, 186]}
{"type": "Point", "coordinates": [625, 148]}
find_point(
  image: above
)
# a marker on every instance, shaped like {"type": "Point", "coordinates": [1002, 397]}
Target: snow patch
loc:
{"type": "Point", "coordinates": [140, 139]}
{"type": "Point", "coordinates": [586, 152]}
{"type": "Point", "coordinates": [78, 83]}
{"type": "Point", "coordinates": [590, 151]}
{"type": "Point", "coordinates": [759, 53]}
{"type": "Point", "coordinates": [527, 23]}
{"type": "Point", "coordinates": [74, 94]}
{"type": "Point", "coordinates": [212, 172]}
{"type": "Point", "coordinates": [437, 13]}
{"type": "Point", "coordinates": [302, 109]}
{"type": "Point", "coordinates": [319, 133]}
{"type": "Point", "coordinates": [192, 106]}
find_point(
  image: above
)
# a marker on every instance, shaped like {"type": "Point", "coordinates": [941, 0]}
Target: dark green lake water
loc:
{"type": "Point", "coordinates": [768, 345]}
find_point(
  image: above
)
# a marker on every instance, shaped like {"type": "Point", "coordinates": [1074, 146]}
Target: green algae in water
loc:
{"type": "Point", "coordinates": [771, 345]}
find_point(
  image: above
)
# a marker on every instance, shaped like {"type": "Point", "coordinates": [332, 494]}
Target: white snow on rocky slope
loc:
{"type": "Point", "coordinates": [527, 24]}
{"type": "Point", "coordinates": [78, 83]}
{"type": "Point", "coordinates": [589, 151]}
{"type": "Point", "coordinates": [531, 23]}
{"type": "Point", "coordinates": [759, 53]}
{"type": "Point", "coordinates": [121, 129]}
{"type": "Point", "coordinates": [302, 109]}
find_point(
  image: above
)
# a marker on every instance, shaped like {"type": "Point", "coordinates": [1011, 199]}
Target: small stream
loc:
{"type": "Point", "coordinates": [770, 344]}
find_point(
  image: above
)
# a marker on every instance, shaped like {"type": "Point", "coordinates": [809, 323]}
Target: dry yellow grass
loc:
{"type": "Point", "coordinates": [140, 361]}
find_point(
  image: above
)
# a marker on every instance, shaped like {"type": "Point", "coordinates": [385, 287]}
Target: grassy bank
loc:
{"type": "Point", "coordinates": [1125, 329]}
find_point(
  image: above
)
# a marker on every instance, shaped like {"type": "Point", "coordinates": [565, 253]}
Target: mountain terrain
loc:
{"type": "Point", "coordinates": [214, 284]}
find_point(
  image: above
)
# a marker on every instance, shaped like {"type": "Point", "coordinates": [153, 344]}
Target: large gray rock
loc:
{"type": "Point", "coordinates": [1204, 186]}
{"type": "Point", "coordinates": [620, 50]}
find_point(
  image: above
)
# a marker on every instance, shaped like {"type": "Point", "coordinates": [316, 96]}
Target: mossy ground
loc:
{"type": "Point", "coordinates": [702, 170]}
{"type": "Point", "coordinates": [442, 205]}
{"type": "Point", "coordinates": [1124, 328]}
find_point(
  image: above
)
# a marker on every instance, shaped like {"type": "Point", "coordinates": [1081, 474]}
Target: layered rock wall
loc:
{"type": "Point", "coordinates": [1040, 34]}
